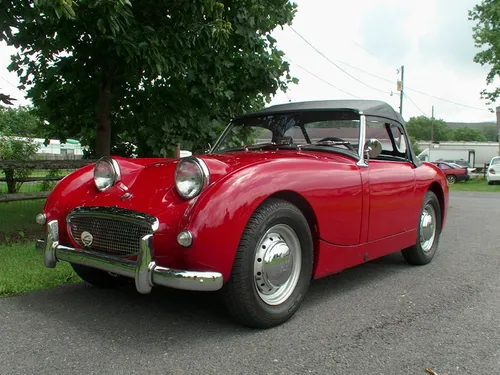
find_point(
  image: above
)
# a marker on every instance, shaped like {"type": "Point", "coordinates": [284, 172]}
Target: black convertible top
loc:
{"type": "Point", "coordinates": [367, 107]}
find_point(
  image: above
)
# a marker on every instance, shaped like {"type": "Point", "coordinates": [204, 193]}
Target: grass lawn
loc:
{"type": "Point", "coordinates": [17, 221]}
{"type": "Point", "coordinates": [22, 270]}
{"type": "Point", "coordinates": [474, 185]}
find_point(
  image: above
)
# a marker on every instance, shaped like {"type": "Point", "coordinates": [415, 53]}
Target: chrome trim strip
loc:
{"type": "Point", "coordinates": [362, 141]}
{"type": "Point", "coordinates": [116, 214]}
{"type": "Point", "coordinates": [145, 271]}
{"type": "Point", "coordinates": [221, 137]}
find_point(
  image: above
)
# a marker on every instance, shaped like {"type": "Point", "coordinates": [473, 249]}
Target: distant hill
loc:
{"type": "Point", "coordinates": [474, 125]}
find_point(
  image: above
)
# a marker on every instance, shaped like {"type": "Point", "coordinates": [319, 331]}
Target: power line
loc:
{"type": "Point", "coordinates": [338, 67]}
{"type": "Point", "coordinates": [415, 104]}
{"type": "Point", "coordinates": [382, 78]}
{"type": "Point", "coordinates": [321, 79]}
{"type": "Point", "coordinates": [446, 100]}
{"type": "Point", "coordinates": [10, 83]}
{"type": "Point", "coordinates": [370, 53]}
{"type": "Point", "coordinates": [364, 71]}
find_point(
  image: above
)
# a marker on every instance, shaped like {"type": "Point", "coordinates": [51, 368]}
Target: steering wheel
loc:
{"type": "Point", "coordinates": [339, 140]}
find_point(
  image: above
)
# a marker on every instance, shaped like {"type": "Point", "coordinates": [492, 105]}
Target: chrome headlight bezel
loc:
{"type": "Point", "coordinates": [189, 191]}
{"type": "Point", "coordinates": [114, 170]}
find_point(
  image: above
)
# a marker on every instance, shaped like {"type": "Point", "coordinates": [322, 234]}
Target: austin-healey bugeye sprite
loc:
{"type": "Point", "coordinates": [287, 194]}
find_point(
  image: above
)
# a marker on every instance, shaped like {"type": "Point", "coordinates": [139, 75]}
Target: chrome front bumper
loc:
{"type": "Point", "coordinates": [144, 271]}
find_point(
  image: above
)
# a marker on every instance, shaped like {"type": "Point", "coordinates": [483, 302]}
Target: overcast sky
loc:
{"type": "Point", "coordinates": [431, 38]}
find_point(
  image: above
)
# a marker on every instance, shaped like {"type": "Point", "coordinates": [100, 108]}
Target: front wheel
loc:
{"type": "Point", "coordinates": [429, 229]}
{"type": "Point", "coordinates": [272, 268]}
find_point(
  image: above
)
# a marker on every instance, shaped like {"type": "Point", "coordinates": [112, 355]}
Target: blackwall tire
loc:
{"type": "Point", "coordinates": [451, 179]}
{"type": "Point", "coordinates": [428, 232]}
{"type": "Point", "coordinates": [272, 268]}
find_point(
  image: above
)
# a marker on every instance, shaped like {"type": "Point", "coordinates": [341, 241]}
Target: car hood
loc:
{"type": "Point", "coordinates": [154, 181]}
{"type": "Point", "coordinates": [147, 185]}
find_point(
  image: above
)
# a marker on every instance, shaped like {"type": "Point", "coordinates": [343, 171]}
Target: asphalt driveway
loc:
{"type": "Point", "coordinates": [384, 317]}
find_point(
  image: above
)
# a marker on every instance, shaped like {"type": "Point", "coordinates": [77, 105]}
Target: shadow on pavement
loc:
{"type": "Point", "coordinates": [165, 315]}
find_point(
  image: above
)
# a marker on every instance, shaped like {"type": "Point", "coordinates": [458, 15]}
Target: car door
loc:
{"type": "Point", "coordinates": [391, 182]}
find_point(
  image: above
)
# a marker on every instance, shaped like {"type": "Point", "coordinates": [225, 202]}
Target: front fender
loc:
{"type": "Point", "coordinates": [219, 216]}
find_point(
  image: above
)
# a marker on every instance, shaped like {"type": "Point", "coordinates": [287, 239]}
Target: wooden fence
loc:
{"type": "Point", "coordinates": [37, 165]}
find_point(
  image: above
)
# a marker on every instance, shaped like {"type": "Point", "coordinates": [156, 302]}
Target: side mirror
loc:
{"type": "Point", "coordinates": [373, 148]}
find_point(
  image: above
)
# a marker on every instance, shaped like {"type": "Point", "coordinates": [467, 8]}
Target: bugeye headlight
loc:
{"type": "Point", "coordinates": [106, 173]}
{"type": "Point", "coordinates": [191, 177]}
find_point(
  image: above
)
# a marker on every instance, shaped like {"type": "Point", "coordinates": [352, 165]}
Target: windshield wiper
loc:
{"type": "Point", "coordinates": [336, 143]}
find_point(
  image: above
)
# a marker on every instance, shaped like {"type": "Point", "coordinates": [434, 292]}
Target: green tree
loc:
{"type": "Point", "coordinates": [421, 129]}
{"type": "Point", "coordinates": [20, 121]}
{"type": "Point", "coordinates": [152, 74]}
{"type": "Point", "coordinates": [468, 134]}
{"type": "Point", "coordinates": [9, 16]}
{"type": "Point", "coordinates": [487, 37]}
{"type": "Point", "coordinates": [490, 133]}
{"type": "Point", "coordinates": [12, 148]}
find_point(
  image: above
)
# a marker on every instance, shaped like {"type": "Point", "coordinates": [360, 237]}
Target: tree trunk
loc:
{"type": "Point", "coordinates": [103, 140]}
{"type": "Point", "coordinates": [11, 183]}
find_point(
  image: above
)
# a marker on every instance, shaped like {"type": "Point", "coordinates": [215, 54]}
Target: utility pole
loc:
{"type": "Point", "coordinates": [432, 125]}
{"type": "Point", "coordinates": [401, 89]}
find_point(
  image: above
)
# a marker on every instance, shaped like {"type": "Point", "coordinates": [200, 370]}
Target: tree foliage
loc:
{"type": "Point", "coordinates": [12, 148]}
{"type": "Point", "coordinates": [487, 37]}
{"type": "Point", "coordinates": [9, 16]}
{"type": "Point", "coordinates": [20, 121]}
{"type": "Point", "coordinates": [153, 73]}
{"type": "Point", "coordinates": [490, 133]}
{"type": "Point", "coordinates": [420, 128]}
{"type": "Point", "coordinates": [468, 134]}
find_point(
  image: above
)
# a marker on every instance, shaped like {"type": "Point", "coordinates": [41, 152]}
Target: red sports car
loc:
{"type": "Point", "coordinates": [287, 194]}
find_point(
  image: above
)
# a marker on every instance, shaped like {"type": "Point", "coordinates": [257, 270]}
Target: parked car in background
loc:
{"type": "Point", "coordinates": [453, 172]}
{"type": "Point", "coordinates": [287, 194]}
{"type": "Point", "coordinates": [461, 163]}
{"type": "Point", "coordinates": [493, 172]}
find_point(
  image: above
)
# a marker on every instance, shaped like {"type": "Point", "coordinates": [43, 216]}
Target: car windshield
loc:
{"type": "Point", "coordinates": [331, 129]}
{"type": "Point", "coordinates": [495, 161]}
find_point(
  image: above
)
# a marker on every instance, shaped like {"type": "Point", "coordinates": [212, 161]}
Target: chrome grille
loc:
{"type": "Point", "coordinates": [113, 231]}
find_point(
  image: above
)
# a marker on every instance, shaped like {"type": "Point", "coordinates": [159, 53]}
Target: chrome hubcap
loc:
{"type": "Point", "coordinates": [427, 227]}
{"type": "Point", "coordinates": [277, 264]}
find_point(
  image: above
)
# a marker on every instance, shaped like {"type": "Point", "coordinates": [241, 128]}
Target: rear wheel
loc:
{"type": "Point", "coordinates": [451, 179]}
{"type": "Point", "coordinates": [98, 278]}
{"type": "Point", "coordinates": [272, 268]}
{"type": "Point", "coordinates": [429, 229]}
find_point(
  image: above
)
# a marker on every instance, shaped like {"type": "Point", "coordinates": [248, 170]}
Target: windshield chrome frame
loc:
{"type": "Point", "coordinates": [221, 137]}
{"type": "Point", "coordinates": [362, 141]}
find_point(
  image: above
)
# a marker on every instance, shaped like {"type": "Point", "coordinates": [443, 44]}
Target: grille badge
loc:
{"type": "Point", "coordinates": [87, 238]}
